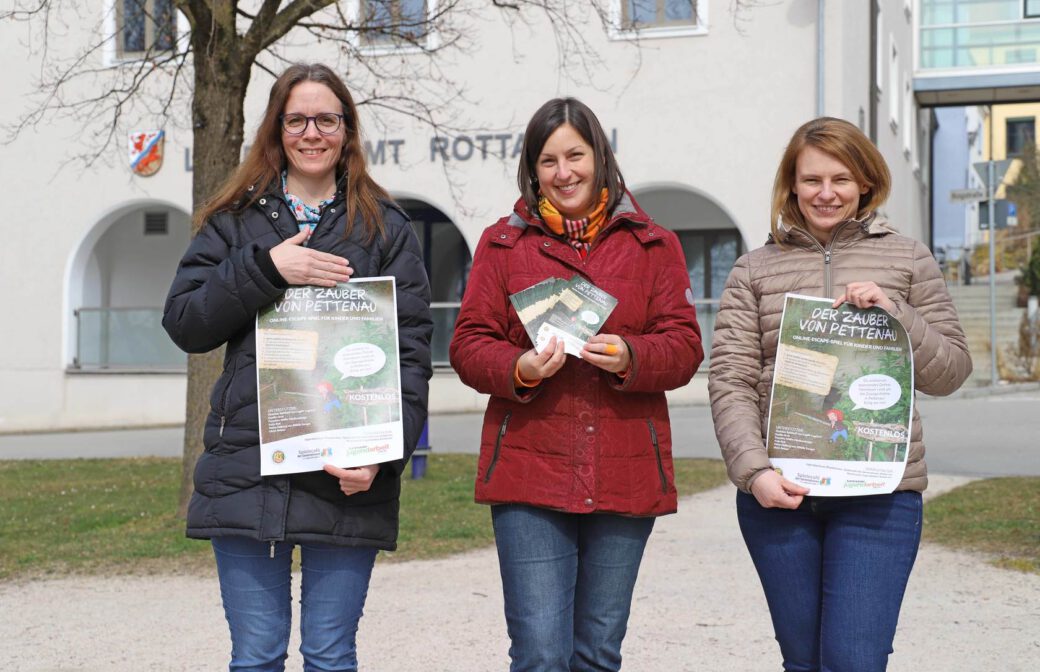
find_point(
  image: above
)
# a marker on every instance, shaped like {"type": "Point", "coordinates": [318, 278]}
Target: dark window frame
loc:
{"type": "Point", "coordinates": [158, 32]}
{"type": "Point", "coordinates": [659, 21]}
{"type": "Point", "coordinates": [710, 237]}
{"type": "Point", "coordinates": [1013, 140]}
{"type": "Point", "coordinates": [397, 34]}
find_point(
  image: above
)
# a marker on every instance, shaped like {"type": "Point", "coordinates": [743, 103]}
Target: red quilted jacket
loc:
{"type": "Point", "coordinates": [584, 440]}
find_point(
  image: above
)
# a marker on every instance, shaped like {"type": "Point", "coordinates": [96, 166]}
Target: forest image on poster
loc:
{"type": "Point", "coordinates": [842, 397]}
{"type": "Point", "coordinates": [328, 377]}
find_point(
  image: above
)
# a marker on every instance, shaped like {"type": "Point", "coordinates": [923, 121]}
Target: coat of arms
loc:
{"type": "Point", "coordinates": [146, 152]}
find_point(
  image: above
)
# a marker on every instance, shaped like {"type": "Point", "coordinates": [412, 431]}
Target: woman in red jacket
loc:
{"type": "Point", "coordinates": [575, 453]}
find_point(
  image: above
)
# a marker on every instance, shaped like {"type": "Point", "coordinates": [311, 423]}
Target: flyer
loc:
{"type": "Point", "coordinates": [328, 377]}
{"type": "Point", "coordinates": [842, 398]}
{"type": "Point", "coordinates": [571, 310]}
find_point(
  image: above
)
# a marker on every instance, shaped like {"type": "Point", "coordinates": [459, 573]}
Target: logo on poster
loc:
{"type": "Point", "coordinates": [278, 457]}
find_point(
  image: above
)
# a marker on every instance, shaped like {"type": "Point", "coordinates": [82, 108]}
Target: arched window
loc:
{"type": "Point", "coordinates": [448, 261]}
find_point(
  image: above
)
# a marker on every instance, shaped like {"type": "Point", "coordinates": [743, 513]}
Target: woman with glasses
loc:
{"type": "Point", "coordinates": [301, 209]}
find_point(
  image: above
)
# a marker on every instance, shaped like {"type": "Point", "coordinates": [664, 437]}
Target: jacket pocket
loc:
{"type": "Point", "coordinates": [657, 454]}
{"type": "Point", "coordinates": [498, 446]}
{"type": "Point", "coordinates": [225, 398]}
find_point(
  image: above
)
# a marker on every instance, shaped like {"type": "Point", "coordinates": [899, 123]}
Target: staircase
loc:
{"type": "Point", "coordinates": [972, 303]}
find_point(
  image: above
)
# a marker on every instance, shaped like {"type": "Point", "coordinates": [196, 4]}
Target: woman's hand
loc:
{"type": "Point", "coordinates": [354, 480]}
{"type": "Point", "coordinates": [536, 366]}
{"type": "Point", "coordinates": [865, 295]}
{"type": "Point", "coordinates": [303, 266]}
{"type": "Point", "coordinates": [773, 491]}
{"type": "Point", "coordinates": [608, 352]}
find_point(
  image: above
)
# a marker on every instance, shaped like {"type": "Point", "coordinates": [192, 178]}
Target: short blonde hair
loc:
{"type": "Point", "coordinates": [847, 144]}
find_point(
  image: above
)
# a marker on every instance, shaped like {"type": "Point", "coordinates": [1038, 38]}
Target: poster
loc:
{"type": "Point", "coordinates": [328, 378]}
{"type": "Point", "coordinates": [571, 310]}
{"type": "Point", "coordinates": [842, 398]}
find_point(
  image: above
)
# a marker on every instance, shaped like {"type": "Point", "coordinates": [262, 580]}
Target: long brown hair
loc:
{"type": "Point", "coordinates": [266, 158]}
{"type": "Point", "coordinates": [546, 120]}
{"type": "Point", "coordinates": [847, 144]}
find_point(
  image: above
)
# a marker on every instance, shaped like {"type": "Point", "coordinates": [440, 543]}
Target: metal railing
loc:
{"type": "Point", "coordinates": [124, 339]}
{"type": "Point", "coordinates": [121, 339]}
{"type": "Point", "coordinates": [445, 313]}
{"type": "Point", "coordinates": [706, 311]}
{"type": "Point", "coordinates": [444, 316]}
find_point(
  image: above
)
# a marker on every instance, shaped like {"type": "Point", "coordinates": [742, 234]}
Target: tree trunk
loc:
{"type": "Point", "coordinates": [221, 79]}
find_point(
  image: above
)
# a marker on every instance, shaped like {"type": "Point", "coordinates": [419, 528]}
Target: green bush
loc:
{"type": "Point", "coordinates": [1031, 272]}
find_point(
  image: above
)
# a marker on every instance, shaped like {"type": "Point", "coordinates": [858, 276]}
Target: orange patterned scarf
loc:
{"type": "Point", "coordinates": [579, 233]}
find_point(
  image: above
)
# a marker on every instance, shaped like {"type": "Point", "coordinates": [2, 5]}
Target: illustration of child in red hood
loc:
{"type": "Point", "coordinates": [837, 420]}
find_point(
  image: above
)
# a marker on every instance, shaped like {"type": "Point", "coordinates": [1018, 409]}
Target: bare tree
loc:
{"type": "Point", "coordinates": [198, 78]}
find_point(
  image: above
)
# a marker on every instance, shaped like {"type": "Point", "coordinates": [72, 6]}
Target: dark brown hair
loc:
{"type": "Point", "coordinates": [266, 158]}
{"type": "Point", "coordinates": [847, 144]}
{"type": "Point", "coordinates": [546, 120]}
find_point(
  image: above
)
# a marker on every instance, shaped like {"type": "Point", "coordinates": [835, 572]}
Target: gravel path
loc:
{"type": "Point", "coordinates": [698, 607]}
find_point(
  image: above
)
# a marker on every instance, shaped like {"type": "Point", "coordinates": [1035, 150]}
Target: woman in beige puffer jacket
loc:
{"type": "Point", "coordinates": [834, 569]}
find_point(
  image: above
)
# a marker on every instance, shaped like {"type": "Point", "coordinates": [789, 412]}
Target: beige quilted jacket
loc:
{"type": "Point", "coordinates": [748, 322]}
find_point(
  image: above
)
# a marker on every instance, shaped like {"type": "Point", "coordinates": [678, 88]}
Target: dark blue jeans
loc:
{"type": "Point", "coordinates": [834, 572]}
{"type": "Point", "coordinates": [568, 580]}
{"type": "Point", "coordinates": [256, 592]}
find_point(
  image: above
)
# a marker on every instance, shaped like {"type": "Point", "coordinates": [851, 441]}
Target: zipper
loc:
{"type": "Point", "coordinates": [614, 222]}
{"type": "Point", "coordinates": [498, 446]}
{"type": "Point", "coordinates": [225, 397]}
{"type": "Point", "coordinates": [827, 290]}
{"type": "Point", "coordinates": [271, 538]}
{"type": "Point", "coordinates": [657, 454]}
{"type": "Point", "coordinates": [328, 214]}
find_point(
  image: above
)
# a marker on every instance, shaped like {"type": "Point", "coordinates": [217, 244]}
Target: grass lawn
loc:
{"type": "Point", "coordinates": [103, 516]}
{"type": "Point", "coordinates": [997, 516]}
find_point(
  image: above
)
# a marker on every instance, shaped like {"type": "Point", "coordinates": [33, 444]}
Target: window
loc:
{"type": "Point", "coordinates": [647, 13]}
{"type": "Point", "coordinates": [908, 118]}
{"type": "Point", "coordinates": [658, 18]}
{"type": "Point", "coordinates": [393, 22]}
{"type": "Point", "coordinates": [893, 84]}
{"type": "Point", "coordinates": [1020, 132]}
{"type": "Point", "coordinates": [144, 27]}
{"type": "Point", "coordinates": [1031, 9]}
{"type": "Point", "coordinates": [879, 56]}
{"type": "Point", "coordinates": [710, 255]}
{"type": "Point", "coordinates": [923, 146]}
{"type": "Point", "coordinates": [156, 223]}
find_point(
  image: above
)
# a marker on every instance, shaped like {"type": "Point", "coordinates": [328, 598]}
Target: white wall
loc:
{"type": "Point", "coordinates": [710, 113]}
{"type": "Point", "coordinates": [907, 206]}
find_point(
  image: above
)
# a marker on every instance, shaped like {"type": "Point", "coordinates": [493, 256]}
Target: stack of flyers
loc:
{"type": "Point", "coordinates": [571, 310]}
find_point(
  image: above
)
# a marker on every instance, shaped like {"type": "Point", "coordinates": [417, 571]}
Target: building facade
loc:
{"type": "Point", "coordinates": [699, 104]}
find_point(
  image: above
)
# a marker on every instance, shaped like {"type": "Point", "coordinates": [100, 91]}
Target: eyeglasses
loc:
{"type": "Point", "coordinates": [327, 123]}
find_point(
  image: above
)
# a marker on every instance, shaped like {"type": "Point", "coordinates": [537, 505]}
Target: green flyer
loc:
{"type": "Point", "coordinates": [571, 310]}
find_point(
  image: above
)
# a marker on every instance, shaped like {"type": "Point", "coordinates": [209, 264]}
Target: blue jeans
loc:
{"type": "Point", "coordinates": [255, 589]}
{"type": "Point", "coordinates": [567, 579]}
{"type": "Point", "coordinates": [834, 572]}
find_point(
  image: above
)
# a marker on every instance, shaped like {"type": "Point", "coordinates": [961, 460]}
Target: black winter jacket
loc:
{"type": "Point", "coordinates": [224, 279]}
